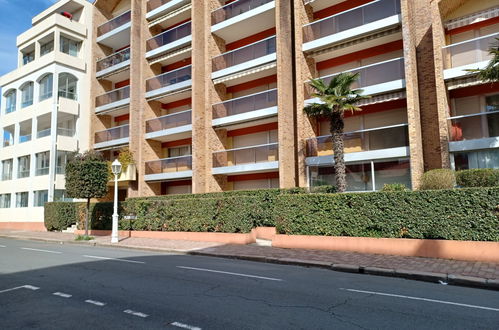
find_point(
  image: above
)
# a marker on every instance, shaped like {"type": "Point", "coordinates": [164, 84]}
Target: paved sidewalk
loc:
{"type": "Point", "coordinates": [443, 271]}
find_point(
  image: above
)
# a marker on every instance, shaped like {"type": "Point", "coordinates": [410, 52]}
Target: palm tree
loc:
{"type": "Point", "coordinates": [336, 98]}
{"type": "Point", "coordinates": [491, 71]}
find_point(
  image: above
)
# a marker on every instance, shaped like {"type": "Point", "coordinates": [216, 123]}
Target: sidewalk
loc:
{"type": "Point", "coordinates": [477, 274]}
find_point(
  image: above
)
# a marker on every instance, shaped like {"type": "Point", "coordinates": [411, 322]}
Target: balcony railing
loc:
{"type": "Point", "coordinates": [22, 174]}
{"type": "Point", "coordinates": [169, 165]}
{"type": "Point", "coordinates": [245, 104]}
{"type": "Point", "coordinates": [114, 23]}
{"type": "Point", "coordinates": [169, 121]}
{"type": "Point", "coordinates": [469, 51]}
{"type": "Point", "coordinates": [67, 94]}
{"type": "Point", "coordinates": [10, 108]}
{"type": "Point", "coordinates": [70, 132]}
{"type": "Point", "coordinates": [168, 36]}
{"type": "Point", "coordinates": [474, 126]}
{"type": "Point", "coordinates": [247, 155]}
{"type": "Point", "coordinates": [350, 19]}
{"type": "Point", "coordinates": [113, 59]}
{"type": "Point", "coordinates": [169, 78]}
{"type": "Point", "coordinates": [235, 8]}
{"type": "Point", "coordinates": [43, 133]}
{"type": "Point", "coordinates": [372, 74]}
{"type": "Point", "coordinates": [244, 54]}
{"type": "Point", "coordinates": [42, 171]}
{"type": "Point", "coordinates": [362, 140]}
{"type": "Point", "coordinates": [113, 96]}
{"type": "Point", "coordinates": [115, 133]}
{"type": "Point", "coordinates": [24, 138]}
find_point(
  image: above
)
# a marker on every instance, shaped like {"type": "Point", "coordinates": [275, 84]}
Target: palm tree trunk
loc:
{"type": "Point", "coordinates": [336, 127]}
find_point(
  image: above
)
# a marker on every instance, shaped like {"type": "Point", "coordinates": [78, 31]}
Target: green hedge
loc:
{"type": "Point", "coordinates": [483, 177]}
{"type": "Point", "coordinates": [61, 215]}
{"type": "Point", "coordinates": [459, 214]}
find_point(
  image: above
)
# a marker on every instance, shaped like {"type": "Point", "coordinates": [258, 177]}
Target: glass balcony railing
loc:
{"type": "Point", "coordinates": [42, 171]}
{"type": "Point", "coordinates": [361, 140]}
{"type": "Point", "coordinates": [169, 121]}
{"type": "Point", "coordinates": [113, 59]}
{"type": "Point", "coordinates": [350, 19]}
{"type": "Point", "coordinates": [114, 23]}
{"type": "Point", "coordinates": [24, 138]}
{"type": "Point", "coordinates": [245, 104]}
{"type": "Point", "coordinates": [371, 75]}
{"type": "Point", "coordinates": [247, 155]}
{"type": "Point", "coordinates": [169, 36]}
{"type": "Point", "coordinates": [469, 51]}
{"type": "Point", "coordinates": [115, 133]}
{"type": "Point", "coordinates": [113, 96]}
{"type": "Point", "coordinates": [474, 126]}
{"type": "Point", "coordinates": [235, 8]}
{"type": "Point", "coordinates": [244, 54]}
{"type": "Point", "coordinates": [169, 165]}
{"type": "Point", "coordinates": [69, 132]}
{"type": "Point", "coordinates": [169, 78]}
{"type": "Point", "coordinates": [43, 133]}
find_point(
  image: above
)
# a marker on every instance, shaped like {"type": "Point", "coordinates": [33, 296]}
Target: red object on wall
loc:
{"type": "Point", "coordinates": [68, 15]}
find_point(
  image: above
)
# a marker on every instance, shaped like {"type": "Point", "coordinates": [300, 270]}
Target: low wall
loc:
{"type": "Point", "coordinates": [29, 226]}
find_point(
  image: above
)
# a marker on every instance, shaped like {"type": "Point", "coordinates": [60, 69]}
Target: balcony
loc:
{"type": "Point", "coordinates": [469, 54]}
{"type": "Point", "coordinates": [115, 136]}
{"type": "Point", "coordinates": [245, 108]}
{"type": "Point", "coordinates": [43, 133]}
{"type": "Point", "coordinates": [157, 8]}
{"type": "Point", "coordinates": [244, 58]}
{"type": "Point", "coordinates": [114, 99]}
{"type": "Point", "coordinates": [69, 132]}
{"type": "Point", "coordinates": [169, 82]}
{"type": "Point", "coordinates": [113, 63]}
{"type": "Point", "coordinates": [130, 174]}
{"type": "Point", "coordinates": [367, 144]}
{"type": "Point", "coordinates": [115, 33]}
{"type": "Point", "coordinates": [24, 138]}
{"type": "Point", "coordinates": [242, 18]}
{"type": "Point", "coordinates": [172, 168]}
{"type": "Point", "coordinates": [350, 24]}
{"type": "Point", "coordinates": [377, 78]}
{"type": "Point", "coordinates": [177, 37]}
{"type": "Point", "coordinates": [254, 159]}
{"type": "Point", "coordinates": [170, 127]}
{"type": "Point", "coordinates": [474, 131]}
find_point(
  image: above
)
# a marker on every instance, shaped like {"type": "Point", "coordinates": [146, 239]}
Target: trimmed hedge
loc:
{"type": "Point", "coordinates": [442, 178]}
{"type": "Point", "coordinates": [61, 215]}
{"type": "Point", "coordinates": [459, 214]}
{"type": "Point", "coordinates": [483, 177]}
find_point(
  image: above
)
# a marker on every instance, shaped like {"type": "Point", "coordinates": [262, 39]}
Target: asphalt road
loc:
{"type": "Point", "coordinates": [51, 286]}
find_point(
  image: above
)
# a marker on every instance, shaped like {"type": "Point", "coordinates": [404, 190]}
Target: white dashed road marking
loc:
{"type": "Point", "coordinates": [139, 314]}
{"type": "Point", "coordinates": [424, 299]}
{"type": "Point", "coordinates": [229, 273]}
{"type": "Point", "coordinates": [1, 246]}
{"type": "Point", "coordinates": [30, 287]}
{"type": "Point", "coordinates": [61, 294]}
{"type": "Point", "coordinates": [39, 250]}
{"type": "Point", "coordinates": [184, 326]}
{"type": "Point", "coordinates": [96, 303]}
{"type": "Point", "coordinates": [115, 259]}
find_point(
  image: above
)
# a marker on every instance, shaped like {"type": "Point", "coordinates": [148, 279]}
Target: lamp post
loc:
{"type": "Point", "coordinates": [116, 168]}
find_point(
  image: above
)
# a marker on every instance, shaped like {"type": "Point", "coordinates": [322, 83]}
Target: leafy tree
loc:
{"type": "Point", "coordinates": [86, 177]}
{"type": "Point", "coordinates": [336, 98]}
{"type": "Point", "coordinates": [491, 71]}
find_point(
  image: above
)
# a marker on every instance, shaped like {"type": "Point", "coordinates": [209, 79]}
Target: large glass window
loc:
{"type": "Point", "coordinates": [62, 160]}
{"type": "Point", "coordinates": [42, 163]}
{"type": "Point", "coordinates": [61, 196]}
{"type": "Point", "coordinates": [5, 201]}
{"type": "Point", "coordinates": [27, 94]}
{"type": "Point", "coordinates": [41, 197]}
{"type": "Point", "coordinates": [69, 46]}
{"type": "Point", "coordinates": [476, 159]}
{"type": "Point", "coordinates": [492, 104]}
{"type": "Point", "coordinates": [23, 164]}
{"type": "Point", "coordinates": [28, 57]}
{"type": "Point", "coordinates": [10, 101]}
{"type": "Point", "coordinates": [22, 199]}
{"type": "Point", "coordinates": [47, 48]}
{"type": "Point", "coordinates": [67, 86]}
{"type": "Point", "coordinates": [7, 169]}
{"type": "Point", "coordinates": [46, 87]}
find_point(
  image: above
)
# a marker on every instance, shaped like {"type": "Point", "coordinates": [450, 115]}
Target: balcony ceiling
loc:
{"type": "Point", "coordinates": [115, 112]}
{"type": "Point", "coordinates": [172, 97]}
{"type": "Point", "coordinates": [117, 76]}
{"type": "Point", "coordinates": [173, 18]}
{"type": "Point", "coordinates": [249, 123]}
{"type": "Point", "coordinates": [321, 4]}
{"type": "Point", "coordinates": [252, 74]}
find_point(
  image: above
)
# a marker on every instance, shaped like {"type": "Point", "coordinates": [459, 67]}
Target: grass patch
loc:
{"type": "Point", "coordinates": [84, 238]}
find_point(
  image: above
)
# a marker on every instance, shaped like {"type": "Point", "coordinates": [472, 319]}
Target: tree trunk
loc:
{"type": "Point", "coordinates": [336, 127]}
{"type": "Point", "coordinates": [86, 216]}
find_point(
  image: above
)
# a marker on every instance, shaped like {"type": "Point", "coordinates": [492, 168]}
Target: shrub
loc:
{"type": "Point", "coordinates": [60, 215]}
{"type": "Point", "coordinates": [326, 189]}
{"type": "Point", "coordinates": [484, 177]}
{"type": "Point", "coordinates": [438, 179]}
{"type": "Point", "coordinates": [393, 187]}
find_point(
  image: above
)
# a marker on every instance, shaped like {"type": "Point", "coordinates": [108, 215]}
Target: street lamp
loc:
{"type": "Point", "coordinates": [116, 168]}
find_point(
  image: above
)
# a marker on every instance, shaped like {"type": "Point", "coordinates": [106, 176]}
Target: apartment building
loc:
{"type": "Point", "coordinates": [209, 94]}
{"type": "Point", "coordinates": [44, 111]}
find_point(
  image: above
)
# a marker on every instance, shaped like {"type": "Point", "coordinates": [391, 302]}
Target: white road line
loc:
{"type": "Point", "coordinates": [229, 273]}
{"type": "Point", "coordinates": [115, 259]}
{"type": "Point", "coordinates": [424, 299]}
{"type": "Point", "coordinates": [96, 303]}
{"type": "Point", "coordinates": [185, 326]}
{"type": "Point", "coordinates": [61, 294]}
{"type": "Point", "coordinates": [39, 250]}
{"type": "Point", "coordinates": [1, 246]}
{"type": "Point", "coordinates": [30, 287]}
{"type": "Point", "coordinates": [139, 314]}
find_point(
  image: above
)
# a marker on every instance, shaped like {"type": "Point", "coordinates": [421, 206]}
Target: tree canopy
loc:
{"type": "Point", "coordinates": [86, 176]}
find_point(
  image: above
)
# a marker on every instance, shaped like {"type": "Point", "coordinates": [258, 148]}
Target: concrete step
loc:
{"type": "Point", "coordinates": [71, 229]}
{"type": "Point", "coordinates": [263, 242]}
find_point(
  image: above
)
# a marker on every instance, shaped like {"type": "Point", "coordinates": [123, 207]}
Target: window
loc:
{"type": "Point", "coordinates": [42, 163]}
{"type": "Point", "coordinates": [10, 101]}
{"type": "Point", "coordinates": [8, 138]}
{"type": "Point", "coordinates": [7, 169]}
{"type": "Point", "coordinates": [22, 199]}
{"type": "Point", "coordinates": [67, 86]}
{"type": "Point", "coordinates": [46, 87]}
{"type": "Point", "coordinates": [492, 104]}
{"type": "Point", "coordinates": [62, 159]}
{"type": "Point", "coordinates": [488, 158]}
{"type": "Point", "coordinates": [60, 196]}
{"type": "Point", "coordinates": [41, 197]}
{"type": "Point", "coordinates": [23, 164]}
{"type": "Point", "coordinates": [28, 57]}
{"type": "Point", "coordinates": [179, 151]}
{"type": "Point", "coordinates": [5, 201]}
{"type": "Point", "coordinates": [27, 95]}
{"type": "Point", "coordinates": [47, 48]}
{"type": "Point", "coordinates": [69, 46]}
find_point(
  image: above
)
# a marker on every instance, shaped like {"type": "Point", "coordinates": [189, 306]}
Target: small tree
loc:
{"type": "Point", "coordinates": [86, 177]}
{"type": "Point", "coordinates": [336, 98]}
{"type": "Point", "coordinates": [491, 71]}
